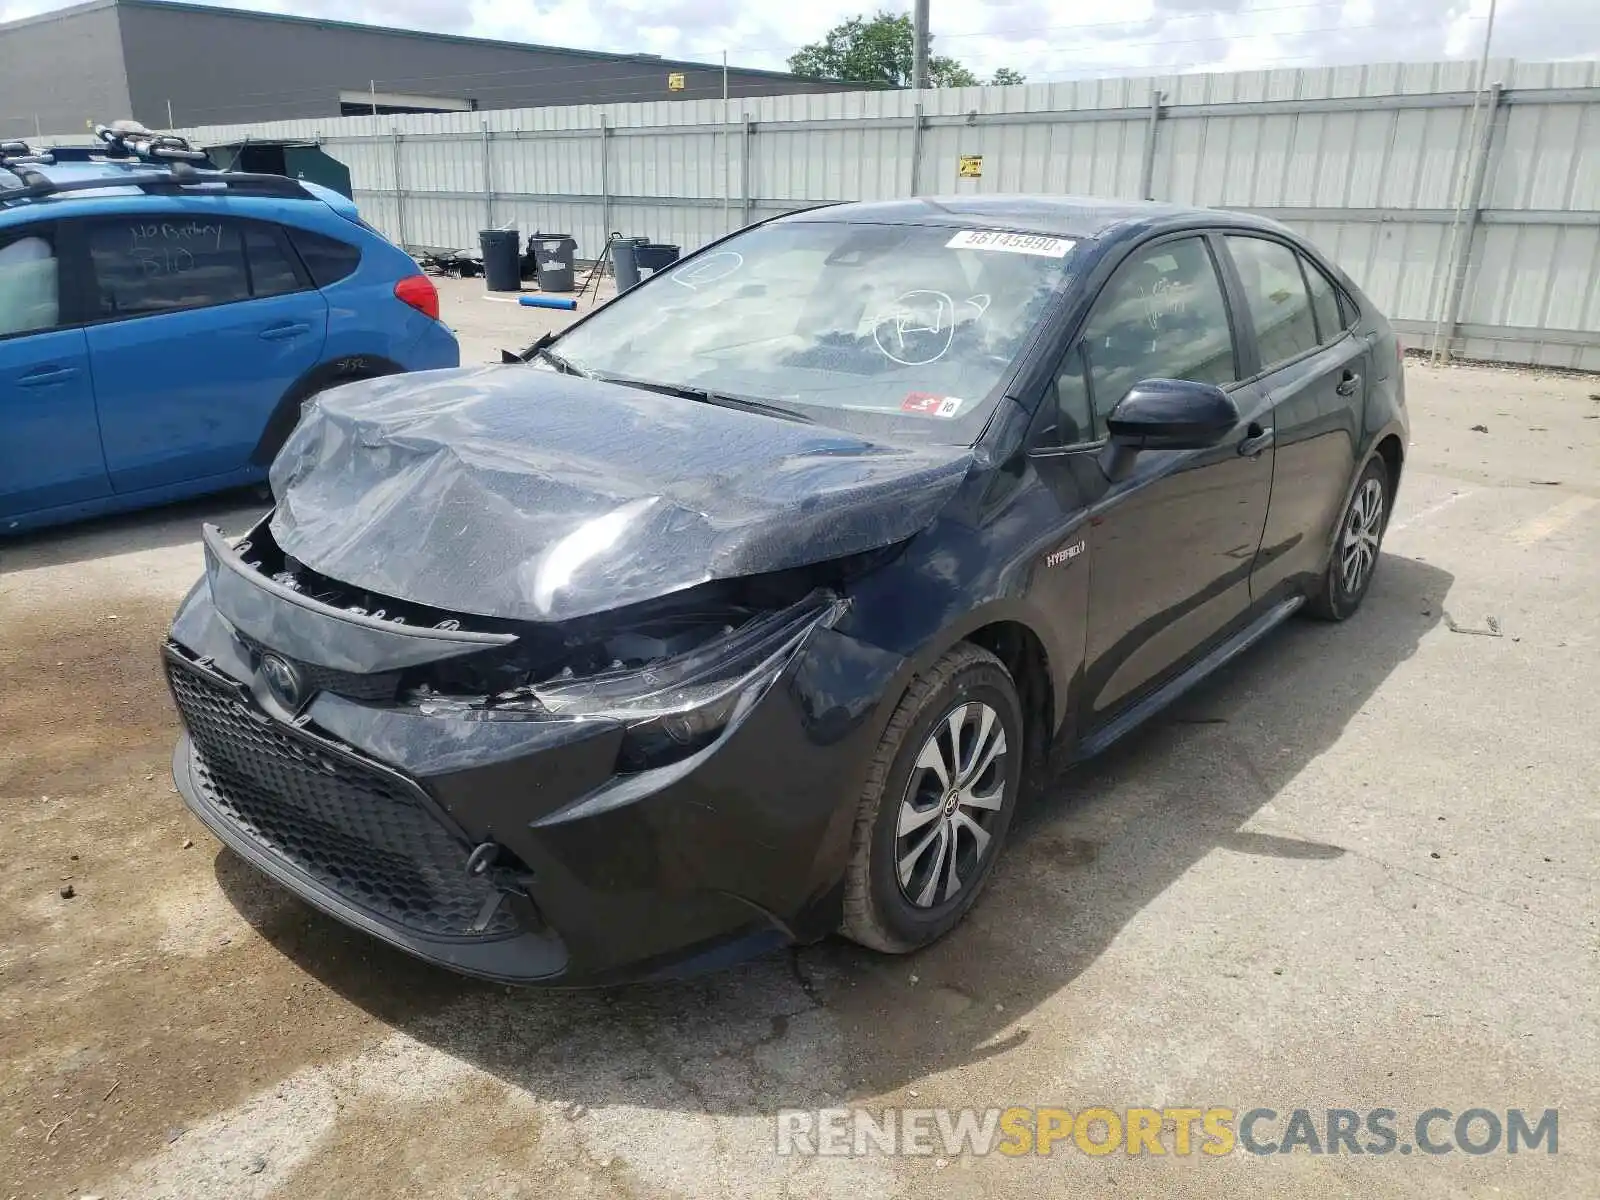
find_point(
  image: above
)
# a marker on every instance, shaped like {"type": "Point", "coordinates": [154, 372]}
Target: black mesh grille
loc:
{"type": "Point", "coordinates": [361, 834]}
{"type": "Point", "coordinates": [371, 688]}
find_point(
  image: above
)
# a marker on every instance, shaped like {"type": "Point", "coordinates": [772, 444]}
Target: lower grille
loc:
{"type": "Point", "coordinates": [364, 835]}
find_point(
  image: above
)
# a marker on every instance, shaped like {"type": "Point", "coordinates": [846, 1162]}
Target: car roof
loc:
{"type": "Point", "coordinates": [1065, 216]}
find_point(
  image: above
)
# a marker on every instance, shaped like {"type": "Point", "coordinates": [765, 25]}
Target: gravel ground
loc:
{"type": "Point", "coordinates": [1358, 869]}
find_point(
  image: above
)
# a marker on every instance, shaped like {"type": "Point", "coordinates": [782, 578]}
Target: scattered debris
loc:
{"type": "Point", "coordinates": [52, 1130]}
{"type": "Point", "coordinates": [256, 1165]}
{"type": "Point", "coordinates": [188, 843]}
{"type": "Point", "coordinates": [1493, 629]}
{"type": "Point", "coordinates": [913, 981]}
{"type": "Point", "coordinates": [1537, 429]}
{"type": "Point", "coordinates": [1545, 482]}
{"type": "Point", "coordinates": [115, 1084]}
{"type": "Point", "coordinates": [175, 1133]}
{"type": "Point", "coordinates": [67, 891]}
{"type": "Point", "coordinates": [1480, 429]}
{"type": "Point", "coordinates": [1434, 854]}
{"type": "Point", "coordinates": [1277, 970]}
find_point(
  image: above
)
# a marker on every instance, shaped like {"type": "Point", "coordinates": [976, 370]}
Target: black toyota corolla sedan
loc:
{"type": "Point", "coordinates": [739, 613]}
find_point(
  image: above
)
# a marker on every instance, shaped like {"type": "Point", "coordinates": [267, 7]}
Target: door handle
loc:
{"type": "Point", "coordinates": [1348, 383]}
{"type": "Point", "coordinates": [1256, 439]}
{"type": "Point", "coordinates": [278, 333]}
{"type": "Point", "coordinates": [47, 375]}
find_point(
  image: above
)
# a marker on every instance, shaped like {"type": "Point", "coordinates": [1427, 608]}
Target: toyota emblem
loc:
{"type": "Point", "coordinates": [283, 680]}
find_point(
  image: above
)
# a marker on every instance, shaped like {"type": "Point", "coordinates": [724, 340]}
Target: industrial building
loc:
{"type": "Point", "coordinates": [183, 65]}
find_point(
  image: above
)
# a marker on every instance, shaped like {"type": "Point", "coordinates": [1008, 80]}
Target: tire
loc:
{"type": "Point", "coordinates": [1354, 560]}
{"type": "Point", "coordinates": [882, 911]}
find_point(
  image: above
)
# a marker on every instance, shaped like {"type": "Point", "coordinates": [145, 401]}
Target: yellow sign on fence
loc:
{"type": "Point", "coordinates": [969, 166]}
{"type": "Point", "coordinates": [675, 82]}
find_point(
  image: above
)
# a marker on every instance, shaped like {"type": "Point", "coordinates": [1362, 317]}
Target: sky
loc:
{"type": "Point", "coordinates": [1045, 39]}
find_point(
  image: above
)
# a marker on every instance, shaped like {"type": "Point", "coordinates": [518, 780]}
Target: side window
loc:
{"type": "Point", "coordinates": [1065, 416]}
{"type": "Point", "coordinates": [1161, 316]}
{"type": "Point", "coordinates": [30, 299]}
{"type": "Point", "coordinates": [1275, 291]}
{"type": "Point", "coordinates": [1324, 302]}
{"type": "Point", "coordinates": [158, 264]}
{"type": "Point", "coordinates": [272, 273]}
{"type": "Point", "coordinates": [328, 259]}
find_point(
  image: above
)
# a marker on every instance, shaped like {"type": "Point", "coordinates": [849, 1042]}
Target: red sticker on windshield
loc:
{"type": "Point", "coordinates": [930, 405]}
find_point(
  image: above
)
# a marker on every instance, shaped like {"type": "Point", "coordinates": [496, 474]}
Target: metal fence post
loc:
{"type": "Point", "coordinates": [916, 151]}
{"type": "Point", "coordinates": [488, 180]}
{"type": "Point", "coordinates": [1463, 233]}
{"type": "Point", "coordinates": [1147, 168]}
{"type": "Point", "coordinates": [747, 197]}
{"type": "Point", "coordinates": [605, 181]}
{"type": "Point", "coordinates": [399, 193]}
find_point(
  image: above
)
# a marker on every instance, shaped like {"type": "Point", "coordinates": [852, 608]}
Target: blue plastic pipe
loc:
{"type": "Point", "coordinates": [567, 303]}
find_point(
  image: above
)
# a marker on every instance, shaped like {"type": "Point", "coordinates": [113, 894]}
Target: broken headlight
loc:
{"type": "Point", "coordinates": [675, 706]}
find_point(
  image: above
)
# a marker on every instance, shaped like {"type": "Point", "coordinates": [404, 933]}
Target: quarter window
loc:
{"type": "Point", "coordinates": [29, 285]}
{"type": "Point", "coordinates": [1275, 291]}
{"type": "Point", "coordinates": [328, 259]}
{"type": "Point", "coordinates": [1162, 316]}
{"type": "Point", "coordinates": [1324, 302]}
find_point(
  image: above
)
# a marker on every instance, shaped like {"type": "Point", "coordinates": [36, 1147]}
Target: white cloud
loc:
{"type": "Point", "coordinates": [1046, 39]}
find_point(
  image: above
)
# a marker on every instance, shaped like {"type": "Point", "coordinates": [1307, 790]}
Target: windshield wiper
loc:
{"type": "Point", "coordinates": [706, 396]}
{"type": "Point", "coordinates": [565, 365]}
{"type": "Point", "coordinates": [541, 349]}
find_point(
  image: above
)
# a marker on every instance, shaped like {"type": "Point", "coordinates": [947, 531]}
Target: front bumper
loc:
{"type": "Point", "coordinates": [370, 813]}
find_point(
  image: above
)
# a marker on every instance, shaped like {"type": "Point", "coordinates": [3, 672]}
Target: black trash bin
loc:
{"type": "Point", "coordinates": [624, 252]}
{"type": "Point", "coordinates": [501, 259]}
{"type": "Point", "coordinates": [557, 257]}
{"type": "Point", "coordinates": [655, 256]}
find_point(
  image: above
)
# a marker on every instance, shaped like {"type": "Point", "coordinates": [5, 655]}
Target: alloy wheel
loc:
{"type": "Point", "coordinates": [952, 801]}
{"type": "Point", "coordinates": [1358, 551]}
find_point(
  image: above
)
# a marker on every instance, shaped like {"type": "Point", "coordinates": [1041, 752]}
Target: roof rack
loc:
{"type": "Point", "coordinates": [131, 143]}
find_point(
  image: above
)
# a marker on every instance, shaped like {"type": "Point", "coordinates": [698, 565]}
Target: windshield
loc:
{"type": "Point", "coordinates": [896, 329]}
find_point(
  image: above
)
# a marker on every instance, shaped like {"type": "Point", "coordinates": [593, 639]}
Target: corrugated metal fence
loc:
{"type": "Point", "coordinates": [1475, 209]}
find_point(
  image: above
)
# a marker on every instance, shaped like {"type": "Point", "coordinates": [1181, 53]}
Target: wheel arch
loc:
{"type": "Point", "coordinates": [346, 368]}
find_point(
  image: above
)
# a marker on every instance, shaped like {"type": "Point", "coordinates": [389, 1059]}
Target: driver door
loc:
{"type": "Point", "coordinates": [1172, 542]}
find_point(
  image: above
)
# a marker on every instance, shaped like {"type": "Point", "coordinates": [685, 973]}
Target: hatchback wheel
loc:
{"type": "Point", "coordinates": [1355, 552]}
{"type": "Point", "coordinates": [938, 801]}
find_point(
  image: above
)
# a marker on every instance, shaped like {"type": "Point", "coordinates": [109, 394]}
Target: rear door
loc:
{"type": "Point", "coordinates": [1314, 372]}
{"type": "Point", "coordinates": [202, 324]}
{"type": "Point", "coordinates": [49, 440]}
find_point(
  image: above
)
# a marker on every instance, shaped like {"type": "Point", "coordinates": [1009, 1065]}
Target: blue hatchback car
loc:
{"type": "Point", "coordinates": [161, 325]}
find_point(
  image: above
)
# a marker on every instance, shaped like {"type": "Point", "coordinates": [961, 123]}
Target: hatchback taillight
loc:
{"type": "Point", "coordinates": [419, 292]}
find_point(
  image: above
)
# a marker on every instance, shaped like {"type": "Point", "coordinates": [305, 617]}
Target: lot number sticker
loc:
{"type": "Point", "coordinates": [1010, 243]}
{"type": "Point", "coordinates": [969, 166]}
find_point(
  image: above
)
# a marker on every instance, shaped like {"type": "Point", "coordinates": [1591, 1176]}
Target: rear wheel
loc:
{"type": "Point", "coordinates": [1355, 552]}
{"type": "Point", "coordinates": [938, 801]}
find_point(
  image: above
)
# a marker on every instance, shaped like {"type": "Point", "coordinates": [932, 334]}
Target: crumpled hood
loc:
{"type": "Point", "coordinates": [520, 493]}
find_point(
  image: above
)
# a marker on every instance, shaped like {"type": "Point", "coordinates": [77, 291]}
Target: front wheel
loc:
{"type": "Point", "coordinates": [937, 803]}
{"type": "Point", "coordinates": [1355, 552]}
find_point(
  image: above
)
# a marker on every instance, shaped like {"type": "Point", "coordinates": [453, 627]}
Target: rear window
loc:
{"type": "Point", "coordinates": [327, 258]}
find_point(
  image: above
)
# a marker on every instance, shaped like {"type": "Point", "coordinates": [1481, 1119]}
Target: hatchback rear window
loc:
{"type": "Point", "coordinates": [327, 258]}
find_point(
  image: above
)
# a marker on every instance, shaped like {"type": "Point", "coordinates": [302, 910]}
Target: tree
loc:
{"type": "Point", "coordinates": [878, 52]}
{"type": "Point", "coordinates": [1005, 76]}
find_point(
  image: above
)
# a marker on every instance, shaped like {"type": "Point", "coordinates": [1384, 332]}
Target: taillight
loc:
{"type": "Point", "coordinates": [419, 292]}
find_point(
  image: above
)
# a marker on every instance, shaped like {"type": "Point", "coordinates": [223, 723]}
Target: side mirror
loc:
{"type": "Point", "coordinates": [1172, 414]}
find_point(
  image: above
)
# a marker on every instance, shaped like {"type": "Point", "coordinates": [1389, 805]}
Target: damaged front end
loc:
{"type": "Point", "coordinates": [556, 802]}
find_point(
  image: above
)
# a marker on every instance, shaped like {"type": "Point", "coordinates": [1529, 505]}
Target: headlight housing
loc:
{"type": "Point", "coordinates": [674, 706]}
